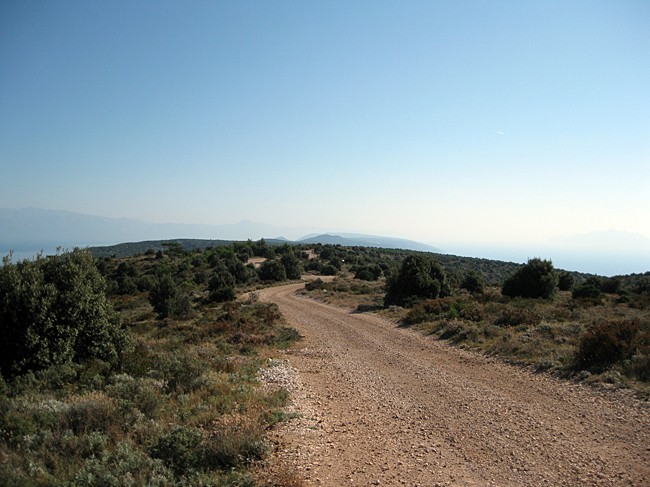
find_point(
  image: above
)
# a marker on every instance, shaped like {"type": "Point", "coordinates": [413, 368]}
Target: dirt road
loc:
{"type": "Point", "coordinates": [383, 405]}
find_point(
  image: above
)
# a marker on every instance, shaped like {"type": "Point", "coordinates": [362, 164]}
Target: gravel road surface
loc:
{"type": "Point", "coordinates": [383, 405]}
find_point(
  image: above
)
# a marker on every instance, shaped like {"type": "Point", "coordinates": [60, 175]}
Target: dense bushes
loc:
{"type": "Point", "coordinates": [536, 279]}
{"type": "Point", "coordinates": [54, 311]}
{"type": "Point", "coordinates": [181, 408]}
{"type": "Point", "coordinates": [419, 277]}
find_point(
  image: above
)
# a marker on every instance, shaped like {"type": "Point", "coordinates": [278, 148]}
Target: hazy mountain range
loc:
{"type": "Point", "coordinates": [29, 230]}
{"type": "Point", "coordinates": [33, 229]}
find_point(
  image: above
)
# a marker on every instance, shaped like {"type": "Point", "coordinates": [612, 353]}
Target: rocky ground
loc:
{"type": "Point", "coordinates": [381, 405]}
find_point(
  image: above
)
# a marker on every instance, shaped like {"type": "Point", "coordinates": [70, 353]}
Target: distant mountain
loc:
{"type": "Point", "coordinates": [358, 240]}
{"type": "Point", "coordinates": [34, 229]}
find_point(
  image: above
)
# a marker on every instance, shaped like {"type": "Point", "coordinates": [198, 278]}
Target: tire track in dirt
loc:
{"type": "Point", "coordinates": [383, 405]}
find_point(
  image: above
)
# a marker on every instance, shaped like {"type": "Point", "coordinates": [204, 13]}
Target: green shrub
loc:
{"type": "Point", "coordinates": [286, 336]}
{"type": "Point", "coordinates": [329, 270]}
{"type": "Point", "coordinates": [586, 291]}
{"type": "Point", "coordinates": [536, 279]}
{"type": "Point", "coordinates": [368, 272]}
{"type": "Point", "coordinates": [473, 282]}
{"type": "Point", "coordinates": [182, 450]}
{"type": "Point", "coordinates": [638, 365]}
{"type": "Point", "coordinates": [127, 465]}
{"type": "Point", "coordinates": [566, 281]}
{"type": "Point", "coordinates": [314, 266]}
{"type": "Point", "coordinates": [166, 299]}
{"type": "Point", "coordinates": [611, 285]}
{"type": "Point", "coordinates": [179, 371]}
{"type": "Point", "coordinates": [221, 286]}
{"type": "Point", "coordinates": [143, 394]}
{"type": "Point", "coordinates": [291, 264]}
{"type": "Point", "coordinates": [419, 277]}
{"type": "Point", "coordinates": [272, 270]}
{"type": "Point", "coordinates": [54, 311]}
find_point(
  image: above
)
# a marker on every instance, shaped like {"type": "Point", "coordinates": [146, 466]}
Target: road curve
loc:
{"type": "Point", "coordinates": [387, 406]}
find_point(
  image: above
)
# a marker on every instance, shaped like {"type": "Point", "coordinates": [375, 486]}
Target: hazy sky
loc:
{"type": "Point", "coordinates": [435, 120]}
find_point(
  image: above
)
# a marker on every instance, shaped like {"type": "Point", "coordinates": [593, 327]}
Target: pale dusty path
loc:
{"type": "Point", "coordinates": [386, 406]}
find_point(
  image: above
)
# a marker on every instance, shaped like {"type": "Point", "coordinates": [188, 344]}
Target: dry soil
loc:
{"type": "Point", "coordinates": [383, 405]}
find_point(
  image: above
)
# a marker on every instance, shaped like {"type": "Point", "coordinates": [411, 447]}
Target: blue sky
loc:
{"type": "Point", "coordinates": [466, 121]}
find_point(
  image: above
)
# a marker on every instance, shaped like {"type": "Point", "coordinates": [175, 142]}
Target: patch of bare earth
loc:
{"type": "Point", "coordinates": [381, 405]}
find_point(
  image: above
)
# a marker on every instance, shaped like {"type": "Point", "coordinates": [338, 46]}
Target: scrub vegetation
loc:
{"type": "Point", "coordinates": [577, 326]}
{"type": "Point", "coordinates": [142, 370]}
{"type": "Point", "coordinates": [138, 370]}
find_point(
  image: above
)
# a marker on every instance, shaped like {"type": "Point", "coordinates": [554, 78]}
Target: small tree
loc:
{"type": "Point", "coordinates": [536, 279]}
{"type": "Point", "coordinates": [566, 281]}
{"type": "Point", "coordinates": [54, 311]}
{"type": "Point", "coordinates": [221, 286]}
{"type": "Point", "coordinates": [166, 299]}
{"type": "Point", "coordinates": [272, 270]}
{"type": "Point", "coordinates": [291, 264]}
{"type": "Point", "coordinates": [419, 277]}
{"type": "Point", "coordinates": [473, 282]}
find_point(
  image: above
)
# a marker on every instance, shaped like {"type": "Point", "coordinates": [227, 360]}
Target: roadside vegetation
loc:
{"type": "Point", "coordinates": [139, 370]}
{"type": "Point", "coordinates": [142, 370]}
{"type": "Point", "coordinates": [577, 326]}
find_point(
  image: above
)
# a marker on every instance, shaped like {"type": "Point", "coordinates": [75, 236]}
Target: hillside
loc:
{"type": "Point", "coordinates": [187, 380]}
{"type": "Point", "coordinates": [360, 240]}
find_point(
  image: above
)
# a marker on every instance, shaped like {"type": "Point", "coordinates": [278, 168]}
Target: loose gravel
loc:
{"type": "Point", "coordinates": [376, 404]}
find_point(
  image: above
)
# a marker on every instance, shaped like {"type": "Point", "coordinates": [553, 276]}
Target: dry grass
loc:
{"type": "Point", "coordinates": [184, 409]}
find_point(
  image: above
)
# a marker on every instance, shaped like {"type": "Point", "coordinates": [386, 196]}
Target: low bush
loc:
{"type": "Point", "coordinates": [419, 277]}
{"type": "Point", "coordinates": [566, 281]}
{"type": "Point", "coordinates": [473, 282]}
{"type": "Point", "coordinates": [431, 309]}
{"type": "Point", "coordinates": [127, 465]}
{"type": "Point", "coordinates": [236, 445]}
{"type": "Point", "coordinates": [368, 272]}
{"type": "Point", "coordinates": [315, 285]}
{"type": "Point", "coordinates": [606, 343]}
{"type": "Point", "coordinates": [514, 316]}
{"type": "Point", "coordinates": [588, 291]}
{"type": "Point", "coordinates": [536, 279]}
{"type": "Point", "coordinates": [182, 450]}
